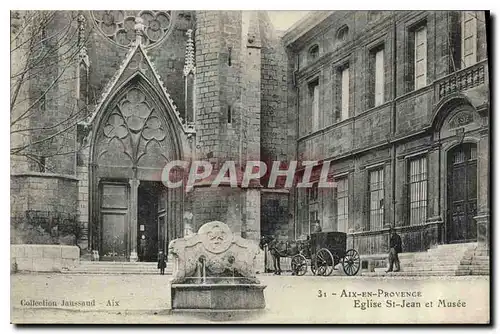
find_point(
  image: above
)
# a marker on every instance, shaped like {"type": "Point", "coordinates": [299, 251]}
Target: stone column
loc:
{"type": "Point", "coordinates": [134, 186]}
{"type": "Point", "coordinates": [434, 184]}
{"type": "Point", "coordinates": [483, 212]}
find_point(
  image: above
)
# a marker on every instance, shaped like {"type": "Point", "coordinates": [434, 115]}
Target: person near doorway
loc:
{"type": "Point", "coordinates": [162, 263]}
{"type": "Point", "coordinates": [395, 247]}
{"type": "Point", "coordinates": [143, 245]}
{"type": "Point", "coordinates": [316, 227]}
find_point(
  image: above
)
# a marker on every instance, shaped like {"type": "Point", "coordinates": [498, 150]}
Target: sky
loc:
{"type": "Point", "coordinates": [284, 19]}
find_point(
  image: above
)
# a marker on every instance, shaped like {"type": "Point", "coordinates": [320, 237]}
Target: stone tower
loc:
{"type": "Point", "coordinates": [228, 106]}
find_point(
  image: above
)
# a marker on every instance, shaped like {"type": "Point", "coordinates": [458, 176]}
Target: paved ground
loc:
{"type": "Point", "coordinates": [289, 299]}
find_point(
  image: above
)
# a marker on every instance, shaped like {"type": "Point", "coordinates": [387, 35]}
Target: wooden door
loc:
{"type": "Point", "coordinates": [462, 194]}
{"type": "Point", "coordinates": [114, 221]}
{"type": "Point", "coordinates": [163, 239]}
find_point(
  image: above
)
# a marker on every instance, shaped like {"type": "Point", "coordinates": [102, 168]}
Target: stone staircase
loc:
{"type": "Point", "coordinates": [118, 268]}
{"type": "Point", "coordinates": [444, 260]}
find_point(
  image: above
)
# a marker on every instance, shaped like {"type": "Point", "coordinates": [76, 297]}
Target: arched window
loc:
{"type": "Point", "coordinates": [342, 34]}
{"type": "Point", "coordinates": [313, 53]}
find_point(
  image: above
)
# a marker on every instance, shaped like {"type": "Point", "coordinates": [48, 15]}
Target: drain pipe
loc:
{"type": "Point", "coordinates": [393, 123]}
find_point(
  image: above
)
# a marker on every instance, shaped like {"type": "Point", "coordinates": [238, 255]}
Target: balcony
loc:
{"type": "Point", "coordinates": [462, 80]}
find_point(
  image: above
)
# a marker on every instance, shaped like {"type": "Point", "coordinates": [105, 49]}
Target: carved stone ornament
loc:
{"type": "Point", "coordinates": [461, 119]}
{"type": "Point", "coordinates": [222, 251]}
{"type": "Point", "coordinates": [119, 26]}
{"type": "Point", "coordinates": [216, 237]}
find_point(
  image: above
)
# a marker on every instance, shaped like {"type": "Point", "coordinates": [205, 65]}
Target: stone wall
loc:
{"type": "Point", "coordinates": [43, 258]}
{"type": "Point", "coordinates": [224, 204]}
{"type": "Point", "coordinates": [273, 142]}
{"type": "Point", "coordinates": [43, 192]}
{"type": "Point", "coordinates": [83, 203]}
{"type": "Point", "coordinates": [274, 214]}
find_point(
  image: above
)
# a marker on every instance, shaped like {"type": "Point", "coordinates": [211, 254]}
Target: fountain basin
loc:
{"type": "Point", "coordinates": [219, 296]}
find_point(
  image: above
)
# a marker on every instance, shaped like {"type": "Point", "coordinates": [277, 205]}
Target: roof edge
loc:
{"type": "Point", "coordinates": [305, 24]}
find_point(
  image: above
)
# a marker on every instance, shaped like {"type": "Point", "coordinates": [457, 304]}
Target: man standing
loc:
{"type": "Point", "coordinates": [316, 227]}
{"type": "Point", "coordinates": [396, 247]}
{"type": "Point", "coordinates": [143, 246]}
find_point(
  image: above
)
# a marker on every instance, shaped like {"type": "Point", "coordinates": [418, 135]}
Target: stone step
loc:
{"type": "Point", "coordinates": [473, 272]}
{"type": "Point", "coordinates": [443, 262]}
{"type": "Point", "coordinates": [117, 268]}
{"type": "Point", "coordinates": [440, 267]}
{"type": "Point", "coordinates": [416, 273]}
{"type": "Point", "coordinates": [433, 259]}
{"type": "Point", "coordinates": [458, 245]}
{"type": "Point", "coordinates": [86, 272]}
{"type": "Point", "coordinates": [117, 263]}
{"type": "Point", "coordinates": [450, 259]}
{"type": "Point", "coordinates": [432, 268]}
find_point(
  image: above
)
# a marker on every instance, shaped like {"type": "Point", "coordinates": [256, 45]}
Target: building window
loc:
{"type": "Point", "coordinates": [314, 104]}
{"type": "Point", "coordinates": [416, 69]}
{"type": "Point", "coordinates": [313, 53]}
{"type": "Point", "coordinates": [469, 38]}
{"type": "Point", "coordinates": [229, 115]}
{"type": "Point", "coordinates": [420, 57]}
{"type": "Point", "coordinates": [417, 180]}
{"type": "Point", "coordinates": [309, 211]}
{"type": "Point", "coordinates": [342, 203]}
{"type": "Point", "coordinates": [343, 93]}
{"type": "Point", "coordinates": [342, 34]}
{"type": "Point", "coordinates": [312, 204]}
{"type": "Point", "coordinates": [376, 199]}
{"type": "Point", "coordinates": [377, 72]}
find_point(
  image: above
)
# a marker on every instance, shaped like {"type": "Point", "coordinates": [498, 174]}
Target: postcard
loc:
{"type": "Point", "coordinates": [273, 167]}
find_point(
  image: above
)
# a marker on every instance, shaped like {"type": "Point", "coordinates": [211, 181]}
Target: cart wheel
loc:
{"type": "Point", "coordinates": [351, 262]}
{"type": "Point", "coordinates": [299, 265]}
{"type": "Point", "coordinates": [324, 262]}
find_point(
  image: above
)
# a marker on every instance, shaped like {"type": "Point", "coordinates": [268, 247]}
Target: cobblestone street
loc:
{"type": "Point", "coordinates": [289, 299]}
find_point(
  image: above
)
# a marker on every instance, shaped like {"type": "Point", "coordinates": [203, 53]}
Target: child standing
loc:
{"type": "Point", "coordinates": [162, 263]}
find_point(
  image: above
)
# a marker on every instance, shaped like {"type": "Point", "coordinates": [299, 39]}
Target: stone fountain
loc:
{"type": "Point", "coordinates": [214, 271]}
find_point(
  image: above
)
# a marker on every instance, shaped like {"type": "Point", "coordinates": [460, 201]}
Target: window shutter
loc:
{"type": "Point", "coordinates": [338, 94]}
{"type": "Point", "coordinates": [366, 204]}
{"type": "Point", "coordinates": [455, 42]}
{"type": "Point", "coordinates": [410, 64]}
{"type": "Point", "coordinates": [371, 79]}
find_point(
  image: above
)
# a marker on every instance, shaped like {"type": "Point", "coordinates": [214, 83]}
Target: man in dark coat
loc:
{"type": "Point", "coordinates": [143, 248]}
{"type": "Point", "coordinates": [396, 247]}
{"type": "Point", "coordinates": [162, 263]}
{"type": "Point", "coordinates": [316, 227]}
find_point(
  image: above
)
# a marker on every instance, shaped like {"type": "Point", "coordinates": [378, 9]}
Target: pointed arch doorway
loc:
{"type": "Point", "coordinates": [462, 193]}
{"type": "Point", "coordinates": [133, 215]}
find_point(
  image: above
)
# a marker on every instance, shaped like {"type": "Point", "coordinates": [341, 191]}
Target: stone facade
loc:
{"type": "Point", "coordinates": [242, 91]}
{"type": "Point", "coordinates": [408, 124]}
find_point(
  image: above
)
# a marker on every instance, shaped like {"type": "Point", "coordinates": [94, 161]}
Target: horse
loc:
{"type": "Point", "coordinates": [279, 249]}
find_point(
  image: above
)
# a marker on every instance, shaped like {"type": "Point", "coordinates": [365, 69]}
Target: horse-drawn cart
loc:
{"type": "Point", "coordinates": [325, 251]}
